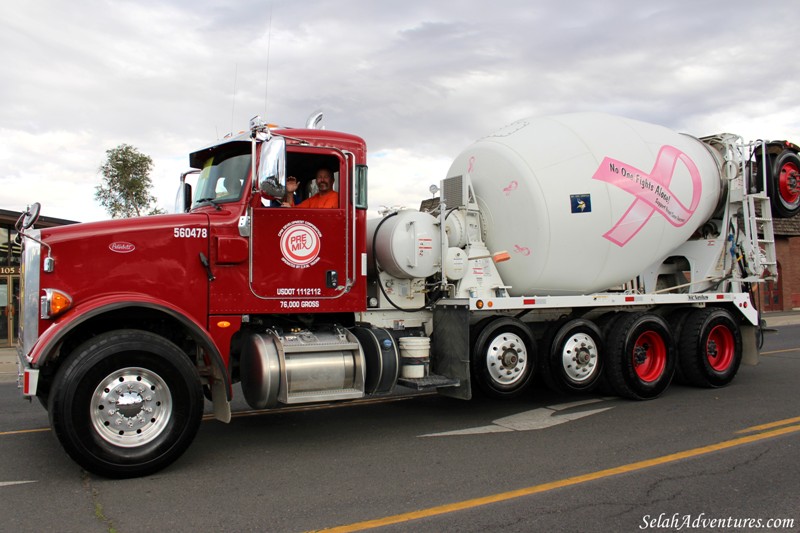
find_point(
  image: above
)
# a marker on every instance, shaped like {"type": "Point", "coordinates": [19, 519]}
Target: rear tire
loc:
{"type": "Point", "coordinates": [503, 357]}
{"type": "Point", "coordinates": [641, 359]}
{"type": "Point", "coordinates": [127, 404]}
{"type": "Point", "coordinates": [710, 348]}
{"type": "Point", "coordinates": [784, 185]}
{"type": "Point", "coordinates": [573, 356]}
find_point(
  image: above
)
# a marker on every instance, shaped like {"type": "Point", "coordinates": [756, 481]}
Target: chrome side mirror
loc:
{"type": "Point", "coordinates": [29, 217]}
{"type": "Point", "coordinates": [272, 167]}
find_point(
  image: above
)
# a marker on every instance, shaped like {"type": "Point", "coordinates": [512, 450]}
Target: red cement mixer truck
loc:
{"type": "Point", "coordinates": [582, 248]}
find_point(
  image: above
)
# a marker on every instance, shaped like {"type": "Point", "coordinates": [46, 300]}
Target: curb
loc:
{"type": "Point", "coordinates": [8, 365]}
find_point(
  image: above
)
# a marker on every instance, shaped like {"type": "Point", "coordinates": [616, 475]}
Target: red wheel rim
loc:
{"type": "Point", "coordinates": [649, 356]}
{"type": "Point", "coordinates": [788, 183]}
{"type": "Point", "coordinates": [720, 348]}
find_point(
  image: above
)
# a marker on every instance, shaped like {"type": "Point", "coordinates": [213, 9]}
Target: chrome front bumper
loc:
{"type": "Point", "coordinates": [27, 377]}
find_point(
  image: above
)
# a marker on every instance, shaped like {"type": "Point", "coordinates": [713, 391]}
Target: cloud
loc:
{"type": "Point", "coordinates": [418, 80]}
{"type": "Point", "coordinates": [411, 176]}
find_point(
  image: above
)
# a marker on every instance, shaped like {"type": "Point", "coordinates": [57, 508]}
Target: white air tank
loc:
{"type": "Point", "coordinates": [584, 202]}
{"type": "Point", "coordinates": [408, 244]}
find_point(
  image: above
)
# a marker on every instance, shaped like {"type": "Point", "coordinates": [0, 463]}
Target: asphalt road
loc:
{"type": "Point", "coordinates": [728, 457]}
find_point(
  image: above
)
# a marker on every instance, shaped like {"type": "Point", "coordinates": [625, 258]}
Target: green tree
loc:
{"type": "Point", "coordinates": [125, 190]}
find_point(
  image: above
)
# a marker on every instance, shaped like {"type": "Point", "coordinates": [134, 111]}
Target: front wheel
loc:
{"type": "Point", "coordinates": [503, 356]}
{"type": "Point", "coordinates": [127, 404]}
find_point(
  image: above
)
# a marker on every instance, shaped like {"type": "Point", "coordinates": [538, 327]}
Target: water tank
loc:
{"type": "Point", "coordinates": [584, 202]}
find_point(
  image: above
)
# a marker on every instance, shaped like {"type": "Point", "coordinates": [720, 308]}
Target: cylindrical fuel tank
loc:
{"type": "Point", "coordinates": [584, 202]}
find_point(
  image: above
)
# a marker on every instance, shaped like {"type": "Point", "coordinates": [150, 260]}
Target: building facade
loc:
{"type": "Point", "coordinates": [784, 294]}
{"type": "Point", "coordinates": [9, 272]}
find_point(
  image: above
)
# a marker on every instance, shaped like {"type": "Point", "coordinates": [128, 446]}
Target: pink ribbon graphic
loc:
{"type": "Point", "coordinates": [651, 191]}
{"type": "Point", "coordinates": [511, 187]}
{"type": "Point", "coordinates": [524, 250]}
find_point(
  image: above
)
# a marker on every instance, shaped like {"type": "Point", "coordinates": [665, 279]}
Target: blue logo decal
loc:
{"type": "Point", "coordinates": [581, 203]}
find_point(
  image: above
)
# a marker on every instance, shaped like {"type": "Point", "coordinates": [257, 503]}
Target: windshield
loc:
{"type": "Point", "coordinates": [222, 179]}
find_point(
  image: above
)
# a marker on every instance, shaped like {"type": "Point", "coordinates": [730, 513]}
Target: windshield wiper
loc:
{"type": "Point", "coordinates": [211, 201]}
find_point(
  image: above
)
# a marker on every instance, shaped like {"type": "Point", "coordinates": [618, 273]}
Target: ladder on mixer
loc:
{"type": "Point", "coordinates": [758, 225]}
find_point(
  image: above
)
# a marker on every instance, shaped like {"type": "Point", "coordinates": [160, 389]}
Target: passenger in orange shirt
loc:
{"type": "Point", "coordinates": [325, 198]}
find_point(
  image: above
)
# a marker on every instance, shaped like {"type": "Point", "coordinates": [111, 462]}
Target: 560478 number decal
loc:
{"type": "Point", "coordinates": [191, 233]}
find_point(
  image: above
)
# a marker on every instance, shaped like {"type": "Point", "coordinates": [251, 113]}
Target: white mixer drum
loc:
{"type": "Point", "coordinates": [584, 202]}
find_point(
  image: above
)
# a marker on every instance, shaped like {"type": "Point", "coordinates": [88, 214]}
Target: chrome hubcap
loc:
{"type": "Point", "coordinates": [506, 358]}
{"type": "Point", "coordinates": [131, 407]}
{"type": "Point", "coordinates": [579, 357]}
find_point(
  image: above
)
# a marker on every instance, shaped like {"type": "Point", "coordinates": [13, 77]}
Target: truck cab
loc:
{"type": "Point", "coordinates": [139, 317]}
{"type": "Point", "coordinates": [267, 258]}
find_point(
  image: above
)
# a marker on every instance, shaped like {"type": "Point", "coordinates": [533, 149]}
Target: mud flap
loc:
{"type": "Point", "coordinates": [219, 398]}
{"type": "Point", "coordinates": [450, 346]}
{"type": "Point", "coordinates": [749, 344]}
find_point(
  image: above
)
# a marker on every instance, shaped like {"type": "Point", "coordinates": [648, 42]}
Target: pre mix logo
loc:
{"type": "Point", "coordinates": [301, 242]}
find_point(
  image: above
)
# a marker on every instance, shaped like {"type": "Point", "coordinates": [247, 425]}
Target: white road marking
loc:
{"type": "Point", "coordinates": [541, 418]}
{"type": "Point", "coordinates": [9, 483]}
{"type": "Point", "coordinates": [471, 431]}
{"type": "Point", "coordinates": [570, 405]}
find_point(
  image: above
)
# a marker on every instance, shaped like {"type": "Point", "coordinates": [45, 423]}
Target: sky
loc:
{"type": "Point", "coordinates": [418, 80]}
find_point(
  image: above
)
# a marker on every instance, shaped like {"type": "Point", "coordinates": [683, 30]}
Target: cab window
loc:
{"type": "Point", "coordinates": [222, 178]}
{"type": "Point", "coordinates": [304, 168]}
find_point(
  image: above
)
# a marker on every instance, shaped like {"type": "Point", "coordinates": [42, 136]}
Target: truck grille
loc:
{"type": "Point", "coordinates": [29, 292]}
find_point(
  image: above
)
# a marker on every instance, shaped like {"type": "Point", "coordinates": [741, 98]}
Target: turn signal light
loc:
{"type": "Point", "coordinates": [54, 303]}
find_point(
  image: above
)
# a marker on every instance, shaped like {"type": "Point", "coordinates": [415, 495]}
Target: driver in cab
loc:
{"type": "Point", "coordinates": [325, 198]}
